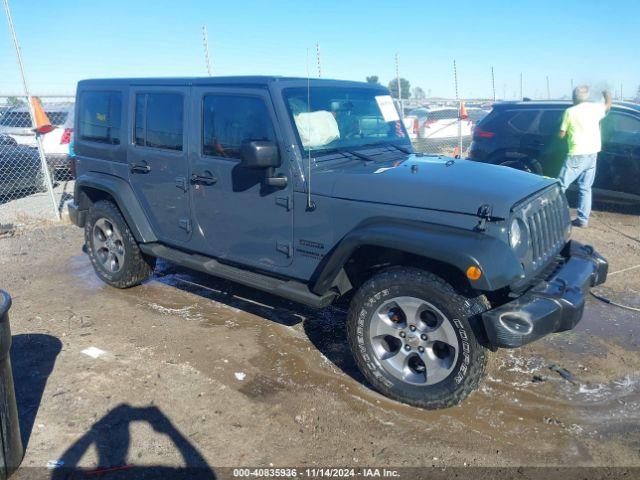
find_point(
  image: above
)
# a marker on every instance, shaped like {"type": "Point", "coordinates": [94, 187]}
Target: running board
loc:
{"type": "Point", "coordinates": [289, 289]}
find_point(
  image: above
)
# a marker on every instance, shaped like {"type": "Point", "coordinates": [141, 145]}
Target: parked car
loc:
{"type": "Point", "coordinates": [16, 122]}
{"type": "Point", "coordinates": [20, 169]}
{"type": "Point", "coordinates": [524, 135]}
{"type": "Point", "coordinates": [309, 190]}
{"type": "Point", "coordinates": [436, 124]}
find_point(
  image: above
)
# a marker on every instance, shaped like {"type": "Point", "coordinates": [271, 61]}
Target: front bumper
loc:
{"type": "Point", "coordinates": [554, 305]}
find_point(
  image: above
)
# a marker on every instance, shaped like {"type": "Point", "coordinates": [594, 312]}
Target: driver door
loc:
{"type": "Point", "coordinates": [237, 218]}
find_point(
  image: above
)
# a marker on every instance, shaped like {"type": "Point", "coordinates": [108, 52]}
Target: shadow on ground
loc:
{"type": "Point", "coordinates": [111, 438]}
{"type": "Point", "coordinates": [32, 358]}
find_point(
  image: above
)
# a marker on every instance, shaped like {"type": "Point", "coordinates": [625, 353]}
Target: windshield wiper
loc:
{"type": "Point", "coordinates": [389, 144]}
{"type": "Point", "coordinates": [361, 156]}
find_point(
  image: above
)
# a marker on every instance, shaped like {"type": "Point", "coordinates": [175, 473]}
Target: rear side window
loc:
{"type": "Point", "coordinates": [228, 121]}
{"type": "Point", "coordinates": [521, 121]}
{"type": "Point", "coordinates": [159, 120]}
{"type": "Point", "coordinates": [550, 121]}
{"type": "Point", "coordinates": [100, 114]}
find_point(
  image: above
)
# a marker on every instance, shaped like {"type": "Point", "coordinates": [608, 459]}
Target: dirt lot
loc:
{"type": "Point", "coordinates": [196, 371]}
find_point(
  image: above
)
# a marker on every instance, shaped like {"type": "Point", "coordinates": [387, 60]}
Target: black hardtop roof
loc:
{"type": "Point", "coordinates": [241, 81]}
{"type": "Point", "coordinates": [559, 104]}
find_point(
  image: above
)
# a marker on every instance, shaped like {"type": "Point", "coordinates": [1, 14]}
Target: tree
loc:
{"type": "Point", "coordinates": [404, 85]}
{"type": "Point", "coordinates": [373, 79]}
{"type": "Point", "coordinates": [418, 94]}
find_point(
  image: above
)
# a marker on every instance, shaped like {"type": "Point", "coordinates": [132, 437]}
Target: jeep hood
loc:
{"type": "Point", "coordinates": [437, 183]}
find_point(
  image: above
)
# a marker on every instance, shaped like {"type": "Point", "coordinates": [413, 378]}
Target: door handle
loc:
{"type": "Point", "coordinates": [203, 179]}
{"type": "Point", "coordinates": [140, 168]}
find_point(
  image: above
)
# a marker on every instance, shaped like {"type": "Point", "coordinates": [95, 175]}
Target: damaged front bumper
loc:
{"type": "Point", "coordinates": [554, 305]}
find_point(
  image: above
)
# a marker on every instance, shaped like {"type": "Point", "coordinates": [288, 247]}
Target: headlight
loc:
{"type": "Point", "coordinates": [515, 234]}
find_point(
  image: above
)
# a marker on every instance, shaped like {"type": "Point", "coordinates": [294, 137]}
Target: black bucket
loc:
{"type": "Point", "coordinates": [10, 442]}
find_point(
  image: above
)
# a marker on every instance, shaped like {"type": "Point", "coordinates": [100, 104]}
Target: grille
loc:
{"type": "Point", "coordinates": [547, 217]}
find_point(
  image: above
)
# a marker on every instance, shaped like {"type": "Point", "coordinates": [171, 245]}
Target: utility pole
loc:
{"type": "Point", "coordinates": [318, 60]}
{"type": "Point", "coordinates": [399, 86]}
{"type": "Point", "coordinates": [621, 95]}
{"type": "Point", "coordinates": [493, 84]}
{"type": "Point", "coordinates": [32, 113]}
{"type": "Point", "coordinates": [572, 87]}
{"type": "Point", "coordinates": [459, 103]}
{"type": "Point", "coordinates": [548, 89]}
{"type": "Point", "coordinates": [521, 90]}
{"type": "Point", "coordinates": [205, 43]}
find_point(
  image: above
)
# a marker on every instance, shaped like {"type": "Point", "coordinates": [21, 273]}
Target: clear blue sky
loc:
{"type": "Point", "coordinates": [589, 41]}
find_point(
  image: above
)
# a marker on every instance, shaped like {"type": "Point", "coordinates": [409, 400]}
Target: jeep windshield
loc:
{"type": "Point", "coordinates": [343, 118]}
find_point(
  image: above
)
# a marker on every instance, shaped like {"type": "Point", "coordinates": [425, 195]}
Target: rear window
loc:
{"type": "Point", "coordinates": [449, 114]}
{"type": "Point", "coordinates": [16, 120]}
{"type": "Point", "coordinates": [100, 116]}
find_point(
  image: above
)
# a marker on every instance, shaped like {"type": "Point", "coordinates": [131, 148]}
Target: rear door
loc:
{"type": "Point", "coordinates": [158, 159]}
{"type": "Point", "coordinates": [237, 218]}
{"type": "Point", "coordinates": [619, 161]}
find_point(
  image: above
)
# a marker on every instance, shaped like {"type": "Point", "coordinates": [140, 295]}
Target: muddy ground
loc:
{"type": "Point", "coordinates": [197, 371]}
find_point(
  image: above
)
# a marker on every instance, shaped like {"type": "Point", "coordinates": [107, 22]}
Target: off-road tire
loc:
{"type": "Point", "coordinates": [136, 268]}
{"type": "Point", "coordinates": [412, 282]}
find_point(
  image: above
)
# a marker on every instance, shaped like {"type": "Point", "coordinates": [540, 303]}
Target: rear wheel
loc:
{"type": "Point", "coordinates": [112, 249]}
{"type": "Point", "coordinates": [411, 336]}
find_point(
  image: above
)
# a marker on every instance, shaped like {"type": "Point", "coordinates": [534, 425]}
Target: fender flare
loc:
{"type": "Point", "coordinates": [454, 246]}
{"type": "Point", "coordinates": [125, 199]}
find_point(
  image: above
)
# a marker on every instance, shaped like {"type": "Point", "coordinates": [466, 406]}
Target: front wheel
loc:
{"type": "Point", "coordinates": [411, 337]}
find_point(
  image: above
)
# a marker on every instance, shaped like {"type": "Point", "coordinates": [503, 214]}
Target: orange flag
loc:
{"type": "Point", "coordinates": [463, 112]}
{"type": "Point", "coordinates": [43, 125]}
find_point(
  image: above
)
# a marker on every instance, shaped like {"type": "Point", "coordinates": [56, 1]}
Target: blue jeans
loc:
{"type": "Point", "coordinates": [583, 169]}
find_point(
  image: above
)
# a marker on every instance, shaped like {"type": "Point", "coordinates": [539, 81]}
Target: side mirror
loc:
{"type": "Point", "coordinates": [263, 154]}
{"type": "Point", "coordinates": [259, 154]}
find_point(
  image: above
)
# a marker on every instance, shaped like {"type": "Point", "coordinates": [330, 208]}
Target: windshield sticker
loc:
{"type": "Point", "coordinates": [387, 108]}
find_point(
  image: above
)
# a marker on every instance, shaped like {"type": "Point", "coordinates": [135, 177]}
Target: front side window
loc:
{"type": "Point", "coordinates": [100, 114]}
{"type": "Point", "coordinates": [328, 118]}
{"type": "Point", "coordinates": [159, 120]}
{"type": "Point", "coordinates": [229, 121]}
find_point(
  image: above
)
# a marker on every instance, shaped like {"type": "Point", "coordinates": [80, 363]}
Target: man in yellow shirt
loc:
{"type": "Point", "coordinates": [581, 127]}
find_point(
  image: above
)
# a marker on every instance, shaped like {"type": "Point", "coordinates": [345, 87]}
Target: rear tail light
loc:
{"type": "Point", "coordinates": [66, 136]}
{"type": "Point", "coordinates": [428, 123]}
{"type": "Point", "coordinates": [416, 126]}
{"type": "Point", "coordinates": [479, 133]}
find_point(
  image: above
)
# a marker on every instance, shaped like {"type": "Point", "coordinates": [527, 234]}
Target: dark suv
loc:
{"type": "Point", "coordinates": [524, 135]}
{"type": "Point", "coordinates": [310, 190]}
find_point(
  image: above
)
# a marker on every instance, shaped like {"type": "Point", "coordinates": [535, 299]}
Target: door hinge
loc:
{"type": "Point", "coordinates": [181, 183]}
{"type": "Point", "coordinates": [284, 247]}
{"type": "Point", "coordinates": [283, 202]}
{"type": "Point", "coordinates": [185, 224]}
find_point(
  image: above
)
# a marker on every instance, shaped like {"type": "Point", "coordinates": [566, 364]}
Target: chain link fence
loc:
{"type": "Point", "coordinates": [443, 128]}
{"type": "Point", "coordinates": [28, 193]}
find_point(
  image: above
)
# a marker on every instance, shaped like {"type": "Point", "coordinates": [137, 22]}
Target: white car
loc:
{"type": "Point", "coordinates": [16, 123]}
{"type": "Point", "coordinates": [436, 124]}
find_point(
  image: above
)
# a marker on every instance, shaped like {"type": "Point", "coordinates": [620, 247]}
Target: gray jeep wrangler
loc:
{"type": "Point", "coordinates": [310, 190]}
